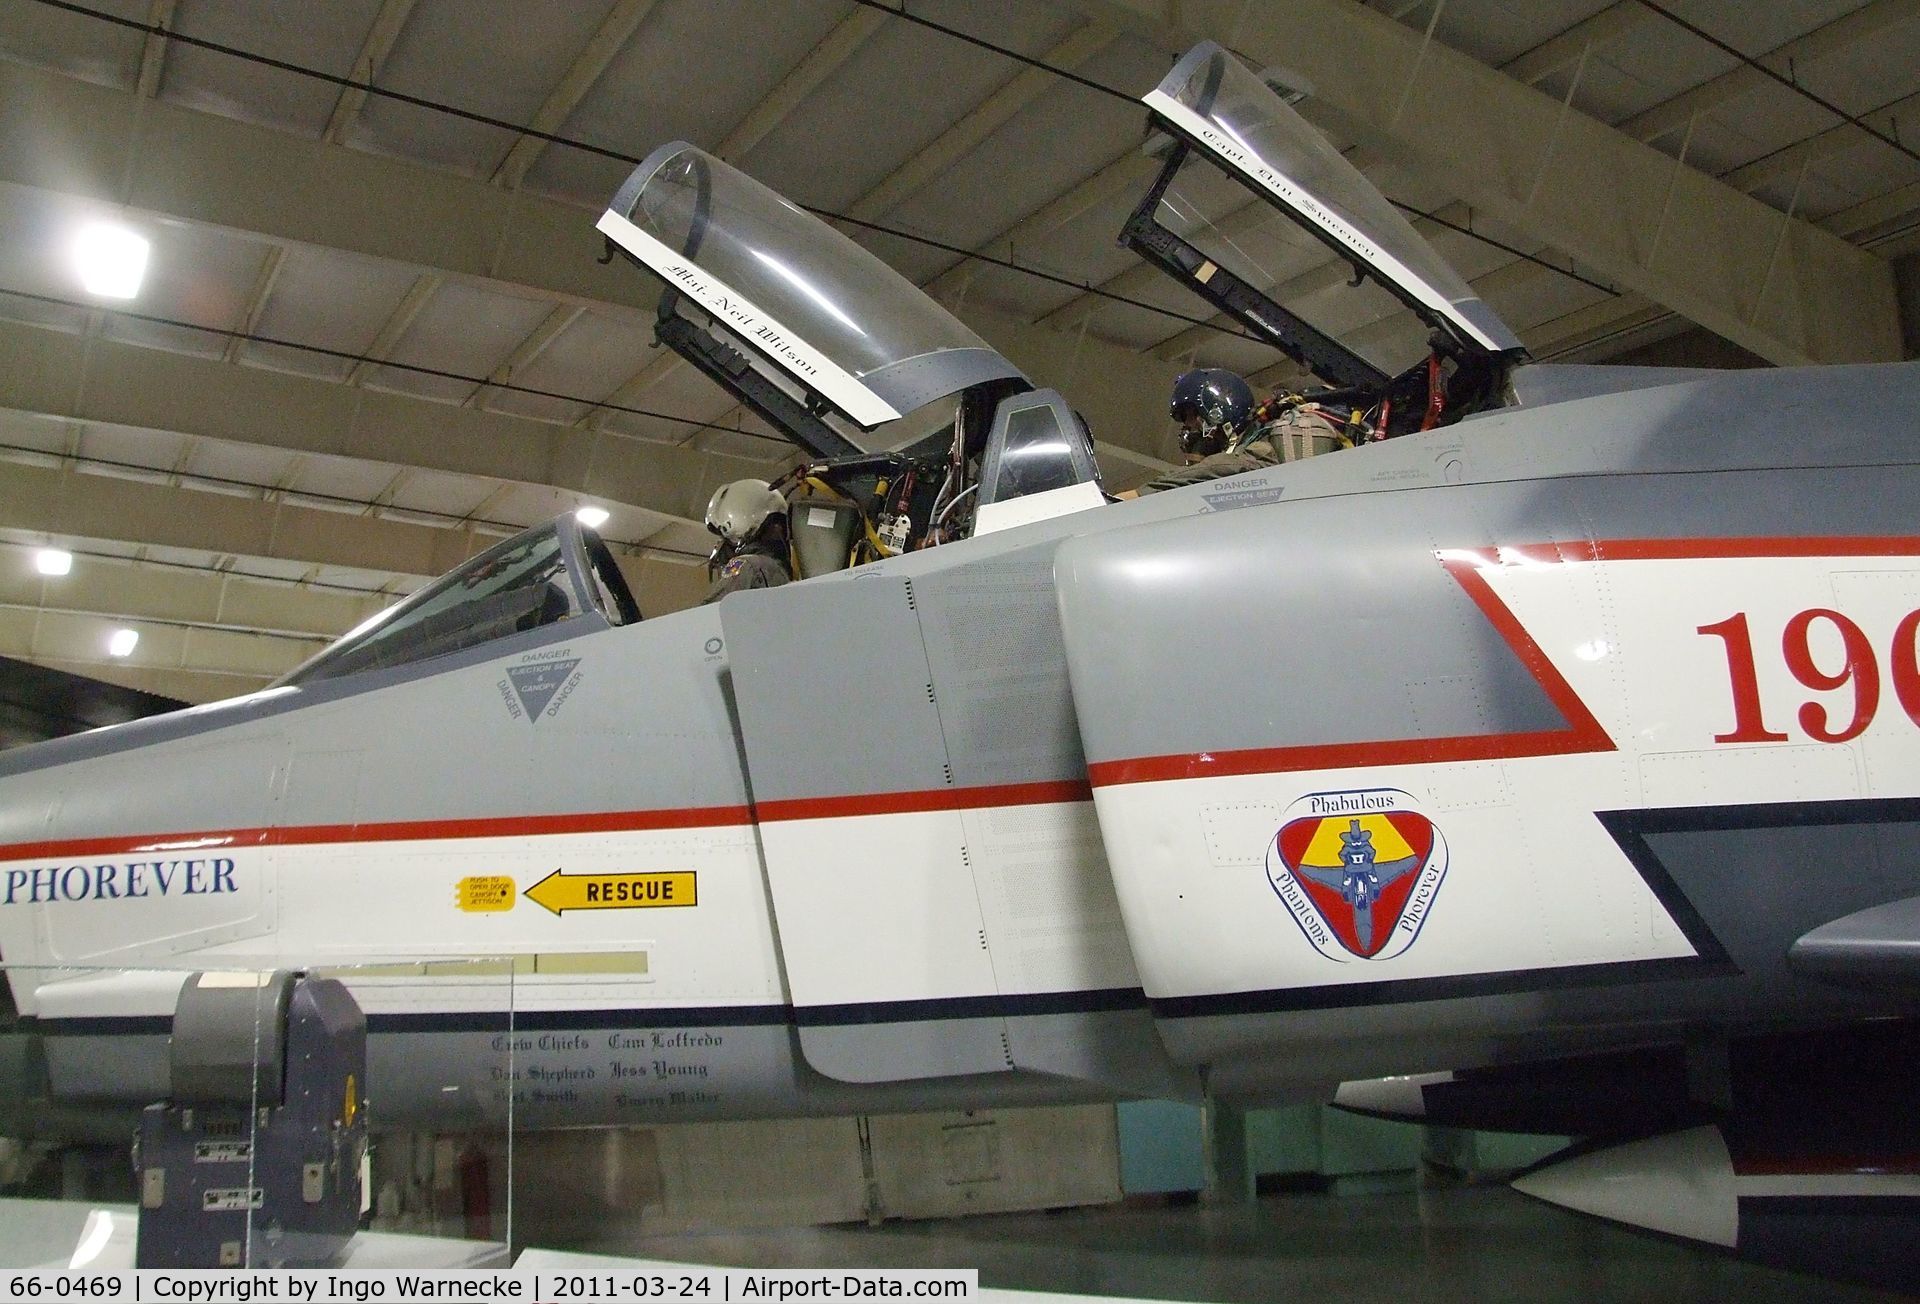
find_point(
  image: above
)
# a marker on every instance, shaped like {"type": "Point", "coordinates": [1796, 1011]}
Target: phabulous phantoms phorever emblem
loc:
{"type": "Point", "coordinates": [1358, 871]}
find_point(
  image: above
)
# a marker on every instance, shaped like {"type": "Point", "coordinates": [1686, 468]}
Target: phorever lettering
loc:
{"type": "Point", "coordinates": [1416, 911]}
{"type": "Point", "coordinates": [118, 880]}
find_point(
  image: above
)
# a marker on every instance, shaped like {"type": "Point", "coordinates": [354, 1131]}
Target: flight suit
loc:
{"type": "Point", "coordinates": [1300, 432]}
{"type": "Point", "coordinates": [1256, 453]}
{"type": "Point", "coordinates": [750, 568]}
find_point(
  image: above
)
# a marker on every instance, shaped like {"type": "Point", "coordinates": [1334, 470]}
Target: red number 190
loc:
{"type": "Point", "coordinates": [1860, 671]}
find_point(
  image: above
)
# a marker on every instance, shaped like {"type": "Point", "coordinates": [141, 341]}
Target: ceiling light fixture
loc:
{"type": "Point", "coordinates": [112, 260]}
{"type": "Point", "coordinates": [53, 561]}
{"type": "Point", "coordinates": [122, 642]}
{"type": "Point", "coordinates": [592, 517]}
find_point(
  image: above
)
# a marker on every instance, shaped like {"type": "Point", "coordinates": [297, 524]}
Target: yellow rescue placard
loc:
{"type": "Point", "coordinates": [484, 893]}
{"type": "Point", "coordinates": [560, 891]}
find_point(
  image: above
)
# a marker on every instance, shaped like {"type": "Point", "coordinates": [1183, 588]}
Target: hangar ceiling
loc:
{"type": "Point", "coordinates": [374, 335]}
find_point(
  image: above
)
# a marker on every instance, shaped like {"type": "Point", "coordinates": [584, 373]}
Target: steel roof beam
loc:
{"type": "Point", "coordinates": [71, 137]}
{"type": "Point", "coordinates": [966, 135]}
{"type": "Point", "coordinates": [367, 64]}
{"type": "Point", "coordinates": [601, 48]}
{"type": "Point", "coordinates": [1842, 33]}
{"type": "Point", "coordinates": [62, 375]}
{"type": "Point", "coordinates": [1857, 219]}
{"type": "Point", "coordinates": [1574, 44]}
{"type": "Point", "coordinates": [230, 678]}
{"type": "Point", "coordinates": [1778, 286]}
{"type": "Point", "coordinates": [72, 504]}
{"type": "Point", "coordinates": [153, 56]}
{"type": "Point", "coordinates": [1558, 338]}
{"type": "Point", "coordinates": [528, 351]}
{"type": "Point", "coordinates": [1838, 139]}
{"type": "Point", "coordinates": [258, 297]}
{"type": "Point", "coordinates": [391, 331]}
{"type": "Point", "coordinates": [110, 586]}
{"type": "Point", "coordinates": [1132, 169]}
{"type": "Point", "coordinates": [821, 62]}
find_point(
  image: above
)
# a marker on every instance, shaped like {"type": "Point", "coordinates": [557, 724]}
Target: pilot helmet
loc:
{"type": "Point", "coordinates": [1211, 406]}
{"type": "Point", "coordinates": [738, 510]}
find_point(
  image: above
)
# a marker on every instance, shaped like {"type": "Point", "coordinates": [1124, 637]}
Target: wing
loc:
{"type": "Point", "coordinates": [1390, 871]}
{"type": "Point", "coordinates": [1333, 878]}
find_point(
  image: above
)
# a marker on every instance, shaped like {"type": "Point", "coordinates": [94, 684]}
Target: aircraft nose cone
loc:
{"type": "Point", "coordinates": [1680, 1184]}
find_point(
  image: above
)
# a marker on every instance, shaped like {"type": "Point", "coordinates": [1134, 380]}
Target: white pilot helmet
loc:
{"type": "Point", "coordinates": [739, 509]}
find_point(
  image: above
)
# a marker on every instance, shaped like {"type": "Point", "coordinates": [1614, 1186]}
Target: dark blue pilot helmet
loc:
{"type": "Point", "coordinates": [1211, 406]}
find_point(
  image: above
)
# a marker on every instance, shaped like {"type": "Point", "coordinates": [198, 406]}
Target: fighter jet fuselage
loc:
{"type": "Point", "coordinates": [1017, 817]}
{"type": "Point", "coordinates": [1586, 720]}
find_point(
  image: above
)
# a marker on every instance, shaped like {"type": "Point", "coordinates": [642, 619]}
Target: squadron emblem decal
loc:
{"type": "Point", "coordinates": [1358, 871]}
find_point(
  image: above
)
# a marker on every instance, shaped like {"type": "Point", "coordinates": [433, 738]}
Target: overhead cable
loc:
{"type": "Point", "coordinates": [553, 138]}
{"type": "Point", "coordinates": [879, 228]}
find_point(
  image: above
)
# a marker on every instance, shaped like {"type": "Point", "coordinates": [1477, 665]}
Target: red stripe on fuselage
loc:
{"type": "Point", "coordinates": [1335, 756]}
{"type": "Point", "coordinates": [1861, 545]}
{"type": "Point", "coordinates": [1583, 734]}
{"type": "Point", "coordinates": [504, 826]}
{"type": "Point", "coordinates": [903, 803]}
{"type": "Point", "coordinates": [885, 803]}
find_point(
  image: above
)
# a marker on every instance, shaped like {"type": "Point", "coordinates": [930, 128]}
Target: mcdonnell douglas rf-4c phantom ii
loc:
{"type": "Point", "coordinates": [1580, 723]}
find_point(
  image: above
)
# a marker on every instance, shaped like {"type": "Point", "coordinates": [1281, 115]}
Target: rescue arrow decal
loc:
{"type": "Point", "coordinates": [560, 892]}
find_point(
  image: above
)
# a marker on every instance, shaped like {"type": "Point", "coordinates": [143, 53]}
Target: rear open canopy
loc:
{"type": "Point", "coordinates": [1238, 122]}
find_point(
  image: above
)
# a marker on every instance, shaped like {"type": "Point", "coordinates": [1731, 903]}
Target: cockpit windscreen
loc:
{"type": "Point", "coordinates": [515, 586]}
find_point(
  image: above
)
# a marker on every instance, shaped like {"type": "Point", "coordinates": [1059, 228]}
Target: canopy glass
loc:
{"type": "Point", "coordinates": [832, 317]}
{"type": "Point", "coordinates": [1240, 122]}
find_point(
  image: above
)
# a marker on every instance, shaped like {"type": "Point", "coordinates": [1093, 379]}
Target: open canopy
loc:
{"type": "Point", "coordinates": [1231, 120]}
{"type": "Point", "coordinates": [798, 300]}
